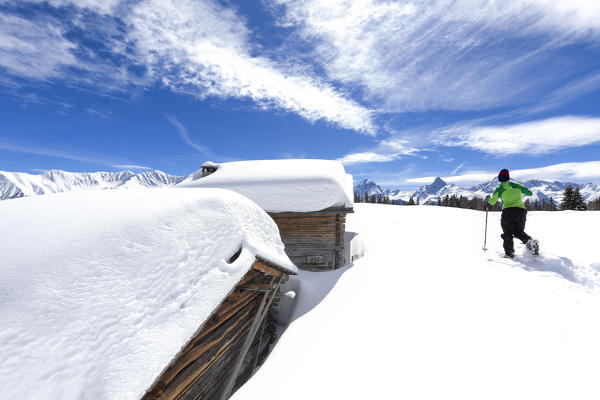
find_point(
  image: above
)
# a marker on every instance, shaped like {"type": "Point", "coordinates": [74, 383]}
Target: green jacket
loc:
{"type": "Point", "coordinates": [511, 195]}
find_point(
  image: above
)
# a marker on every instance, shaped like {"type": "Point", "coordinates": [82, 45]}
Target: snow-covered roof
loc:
{"type": "Point", "coordinates": [210, 164]}
{"type": "Point", "coordinates": [100, 290]}
{"type": "Point", "coordinates": [283, 185]}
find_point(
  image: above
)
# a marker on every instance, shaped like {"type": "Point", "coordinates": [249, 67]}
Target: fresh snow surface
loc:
{"type": "Point", "coordinates": [426, 314]}
{"type": "Point", "coordinates": [283, 185]}
{"type": "Point", "coordinates": [100, 290]}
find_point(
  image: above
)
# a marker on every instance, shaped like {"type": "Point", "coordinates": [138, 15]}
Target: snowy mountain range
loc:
{"type": "Point", "coordinates": [542, 190]}
{"type": "Point", "coordinates": [20, 184]}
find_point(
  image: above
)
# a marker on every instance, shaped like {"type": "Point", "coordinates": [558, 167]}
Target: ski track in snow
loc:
{"type": "Point", "coordinates": [588, 276]}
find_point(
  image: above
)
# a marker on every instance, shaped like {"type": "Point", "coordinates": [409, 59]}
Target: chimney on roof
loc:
{"type": "Point", "coordinates": [208, 168]}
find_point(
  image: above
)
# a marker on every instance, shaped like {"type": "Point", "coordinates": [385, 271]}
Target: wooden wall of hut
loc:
{"type": "Point", "coordinates": [314, 240]}
{"type": "Point", "coordinates": [231, 343]}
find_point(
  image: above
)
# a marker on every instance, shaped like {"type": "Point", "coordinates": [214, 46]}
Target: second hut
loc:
{"type": "Point", "coordinates": [307, 199]}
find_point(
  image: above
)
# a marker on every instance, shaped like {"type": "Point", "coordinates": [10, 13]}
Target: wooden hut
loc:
{"type": "Point", "coordinates": [230, 345]}
{"type": "Point", "coordinates": [208, 168]}
{"type": "Point", "coordinates": [307, 199]}
{"type": "Point", "coordinates": [314, 240]}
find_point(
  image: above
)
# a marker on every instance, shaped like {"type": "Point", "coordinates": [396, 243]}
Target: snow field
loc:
{"type": "Point", "coordinates": [426, 314]}
{"type": "Point", "coordinates": [100, 290]}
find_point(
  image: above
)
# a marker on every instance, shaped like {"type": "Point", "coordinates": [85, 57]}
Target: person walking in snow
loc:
{"type": "Point", "coordinates": [514, 213]}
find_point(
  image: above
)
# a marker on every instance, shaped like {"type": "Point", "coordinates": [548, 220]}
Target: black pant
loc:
{"type": "Point", "coordinates": [513, 225]}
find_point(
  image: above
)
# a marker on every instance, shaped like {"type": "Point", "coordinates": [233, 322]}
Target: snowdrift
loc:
{"type": "Point", "coordinates": [426, 314]}
{"type": "Point", "coordinates": [100, 290]}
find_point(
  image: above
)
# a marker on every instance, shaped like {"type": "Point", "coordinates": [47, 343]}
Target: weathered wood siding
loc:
{"type": "Point", "coordinates": [314, 241]}
{"type": "Point", "coordinates": [204, 366]}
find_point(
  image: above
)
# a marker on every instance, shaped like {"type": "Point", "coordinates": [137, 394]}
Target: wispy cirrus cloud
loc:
{"type": "Point", "coordinates": [570, 172]}
{"type": "Point", "coordinates": [203, 49]}
{"type": "Point", "coordinates": [455, 170]}
{"type": "Point", "coordinates": [96, 159]}
{"type": "Point", "coordinates": [366, 157]}
{"type": "Point", "coordinates": [183, 133]}
{"type": "Point", "coordinates": [446, 54]}
{"type": "Point", "coordinates": [385, 151]}
{"type": "Point", "coordinates": [34, 49]}
{"type": "Point", "coordinates": [534, 137]}
{"type": "Point", "coordinates": [100, 6]}
{"type": "Point", "coordinates": [72, 45]}
{"type": "Point", "coordinates": [131, 166]}
{"type": "Point", "coordinates": [537, 137]}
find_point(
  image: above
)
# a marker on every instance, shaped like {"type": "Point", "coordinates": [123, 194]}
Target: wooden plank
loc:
{"type": "Point", "coordinates": [209, 386]}
{"type": "Point", "coordinates": [201, 357]}
{"type": "Point", "coordinates": [266, 269]}
{"type": "Point", "coordinates": [257, 287]}
{"type": "Point", "coordinates": [226, 311]}
{"type": "Point", "coordinates": [247, 342]}
{"type": "Point", "coordinates": [331, 210]}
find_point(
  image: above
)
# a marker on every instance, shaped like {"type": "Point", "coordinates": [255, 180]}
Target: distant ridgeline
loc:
{"type": "Point", "coordinates": [20, 184]}
{"type": "Point", "coordinates": [547, 196]}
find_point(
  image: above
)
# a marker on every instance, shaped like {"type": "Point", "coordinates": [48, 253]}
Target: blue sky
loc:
{"type": "Point", "coordinates": [399, 91]}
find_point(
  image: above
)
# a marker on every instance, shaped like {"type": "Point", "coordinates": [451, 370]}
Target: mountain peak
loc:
{"type": "Point", "coordinates": [366, 181]}
{"type": "Point", "coordinates": [438, 182]}
{"type": "Point", "coordinates": [368, 186]}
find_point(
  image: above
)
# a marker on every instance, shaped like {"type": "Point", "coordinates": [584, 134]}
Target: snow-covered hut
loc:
{"type": "Point", "coordinates": [307, 199]}
{"type": "Point", "coordinates": [208, 168]}
{"type": "Point", "coordinates": [129, 294]}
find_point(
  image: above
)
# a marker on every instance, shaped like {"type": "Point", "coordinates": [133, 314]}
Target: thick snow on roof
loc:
{"type": "Point", "coordinates": [283, 185]}
{"type": "Point", "coordinates": [100, 290]}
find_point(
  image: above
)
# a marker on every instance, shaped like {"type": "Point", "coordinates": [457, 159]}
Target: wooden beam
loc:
{"type": "Point", "coordinates": [263, 267]}
{"type": "Point", "coordinates": [260, 315]}
{"type": "Point", "coordinates": [257, 287]}
{"type": "Point", "coordinates": [240, 358]}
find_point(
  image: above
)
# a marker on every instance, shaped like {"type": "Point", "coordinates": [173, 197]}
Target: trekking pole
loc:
{"type": "Point", "coordinates": [486, 219]}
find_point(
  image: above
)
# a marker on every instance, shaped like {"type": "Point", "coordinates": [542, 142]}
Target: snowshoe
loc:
{"type": "Point", "coordinates": [533, 246]}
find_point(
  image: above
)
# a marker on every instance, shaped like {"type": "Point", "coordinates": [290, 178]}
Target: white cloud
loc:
{"type": "Point", "coordinates": [42, 47]}
{"type": "Point", "coordinates": [183, 133]}
{"type": "Point", "coordinates": [388, 150]}
{"type": "Point", "coordinates": [99, 159]}
{"type": "Point", "coordinates": [572, 90]}
{"type": "Point", "coordinates": [536, 137]}
{"type": "Point", "coordinates": [99, 6]}
{"type": "Point", "coordinates": [449, 54]}
{"type": "Point", "coordinates": [130, 166]}
{"type": "Point", "coordinates": [366, 157]}
{"type": "Point", "coordinates": [455, 170]}
{"type": "Point", "coordinates": [34, 49]}
{"type": "Point", "coordinates": [200, 48]}
{"type": "Point", "coordinates": [203, 49]}
{"type": "Point", "coordinates": [570, 172]}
